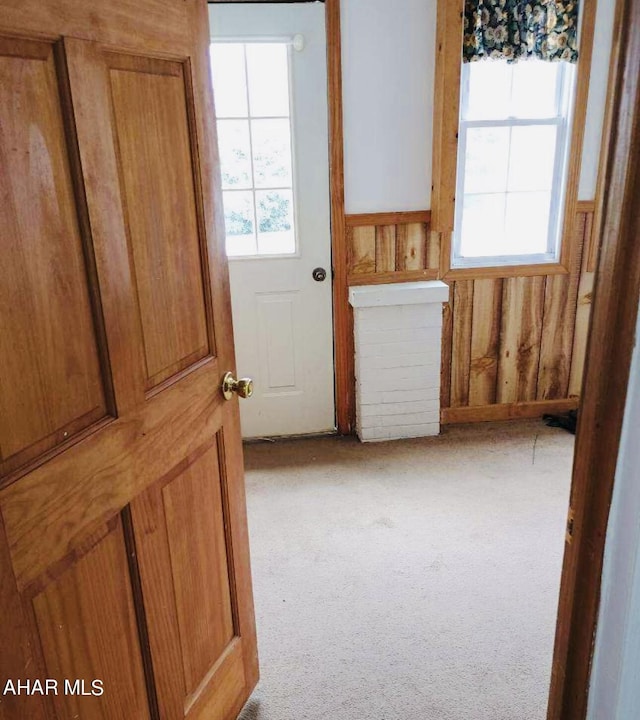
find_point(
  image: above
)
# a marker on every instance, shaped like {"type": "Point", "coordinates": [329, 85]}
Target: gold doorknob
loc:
{"type": "Point", "coordinates": [243, 387]}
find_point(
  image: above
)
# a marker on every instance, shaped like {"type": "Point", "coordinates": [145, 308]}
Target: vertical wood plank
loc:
{"type": "Point", "coordinates": [433, 250]}
{"type": "Point", "coordinates": [411, 246]}
{"type": "Point", "coordinates": [485, 341]}
{"type": "Point", "coordinates": [385, 248]}
{"type": "Point", "coordinates": [581, 325]}
{"type": "Point", "coordinates": [561, 293]}
{"type": "Point", "coordinates": [461, 347]}
{"type": "Point", "coordinates": [363, 249]}
{"type": "Point", "coordinates": [447, 343]}
{"type": "Point", "coordinates": [520, 335]}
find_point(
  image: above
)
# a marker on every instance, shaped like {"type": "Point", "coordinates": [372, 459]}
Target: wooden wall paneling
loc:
{"type": "Point", "coordinates": [447, 349]}
{"type": "Point", "coordinates": [520, 335]}
{"type": "Point", "coordinates": [433, 250]}
{"type": "Point", "coordinates": [411, 246]}
{"type": "Point", "coordinates": [389, 218]}
{"type": "Point", "coordinates": [385, 248]}
{"type": "Point", "coordinates": [461, 342]}
{"type": "Point", "coordinates": [485, 341]}
{"type": "Point", "coordinates": [506, 411]}
{"type": "Point", "coordinates": [561, 295]}
{"type": "Point", "coordinates": [362, 249]}
{"type": "Point", "coordinates": [581, 325]}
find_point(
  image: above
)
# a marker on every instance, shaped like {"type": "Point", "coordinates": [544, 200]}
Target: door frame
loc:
{"type": "Point", "coordinates": [604, 388]}
{"type": "Point", "coordinates": [343, 348]}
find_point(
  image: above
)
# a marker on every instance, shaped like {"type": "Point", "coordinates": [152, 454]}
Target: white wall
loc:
{"type": "Point", "coordinates": [615, 678]}
{"type": "Point", "coordinates": [387, 64]}
{"type": "Point", "coordinates": [388, 55]}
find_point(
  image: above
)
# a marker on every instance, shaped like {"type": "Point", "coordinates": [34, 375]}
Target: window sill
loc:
{"type": "Point", "coordinates": [504, 271]}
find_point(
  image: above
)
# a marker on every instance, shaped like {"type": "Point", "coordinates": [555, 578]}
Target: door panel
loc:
{"type": "Point", "coordinates": [195, 528]}
{"type": "Point", "coordinates": [124, 547]}
{"type": "Point", "coordinates": [182, 532]}
{"type": "Point", "coordinates": [154, 152]}
{"type": "Point", "coordinates": [43, 275]}
{"type": "Point", "coordinates": [87, 627]}
{"type": "Point", "coordinates": [282, 316]}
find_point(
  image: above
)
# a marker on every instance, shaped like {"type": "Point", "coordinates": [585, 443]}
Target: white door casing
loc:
{"type": "Point", "coordinates": [282, 317]}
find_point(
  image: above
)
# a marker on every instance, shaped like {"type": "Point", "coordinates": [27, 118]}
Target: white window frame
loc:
{"type": "Point", "coordinates": [564, 100]}
{"type": "Point", "coordinates": [291, 43]}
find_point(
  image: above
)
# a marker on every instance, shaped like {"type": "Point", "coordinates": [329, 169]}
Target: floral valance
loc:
{"type": "Point", "coordinates": [513, 30]}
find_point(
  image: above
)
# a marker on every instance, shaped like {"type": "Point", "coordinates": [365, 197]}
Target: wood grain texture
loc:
{"type": "Point", "coordinates": [581, 327]}
{"type": "Point", "coordinates": [520, 338]}
{"type": "Point", "coordinates": [610, 347]}
{"type": "Point", "coordinates": [445, 120]}
{"type": "Point", "coordinates": [87, 627]}
{"type": "Point", "coordinates": [395, 276]}
{"type": "Point", "coordinates": [385, 248]}
{"type": "Point", "coordinates": [558, 324]}
{"type": "Point", "coordinates": [150, 107]}
{"type": "Point", "coordinates": [506, 411]}
{"type": "Point", "coordinates": [62, 542]}
{"type": "Point", "coordinates": [389, 218]}
{"type": "Point", "coordinates": [485, 341]}
{"type": "Point", "coordinates": [52, 382]}
{"type": "Point", "coordinates": [461, 343]}
{"type": "Point", "coordinates": [411, 246]}
{"type": "Point", "coordinates": [363, 250]}
{"type": "Point", "coordinates": [195, 522]}
{"type": "Point", "coordinates": [19, 656]}
{"type": "Point", "coordinates": [342, 314]}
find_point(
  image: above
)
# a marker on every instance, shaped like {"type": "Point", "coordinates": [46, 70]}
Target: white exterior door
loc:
{"type": "Point", "coordinates": [270, 89]}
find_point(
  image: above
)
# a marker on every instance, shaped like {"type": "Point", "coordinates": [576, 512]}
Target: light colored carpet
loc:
{"type": "Point", "coordinates": [409, 580]}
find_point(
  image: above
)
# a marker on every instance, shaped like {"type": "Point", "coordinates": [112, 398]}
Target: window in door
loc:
{"type": "Point", "coordinates": [513, 143]}
{"type": "Point", "coordinates": [253, 111]}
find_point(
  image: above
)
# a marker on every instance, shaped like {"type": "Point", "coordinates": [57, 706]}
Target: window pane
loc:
{"type": "Point", "coordinates": [275, 221]}
{"type": "Point", "coordinates": [235, 153]}
{"type": "Point", "coordinates": [482, 231]}
{"type": "Point", "coordinates": [486, 160]}
{"type": "Point", "coordinates": [533, 154]}
{"type": "Point", "coordinates": [489, 90]}
{"type": "Point", "coordinates": [527, 222]}
{"type": "Point", "coordinates": [268, 79]}
{"type": "Point", "coordinates": [271, 140]}
{"type": "Point", "coordinates": [239, 223]}
{"type": "Point", "coordinates": [535, 89]}
{"type": "Point", "coordinates": [229, 80]}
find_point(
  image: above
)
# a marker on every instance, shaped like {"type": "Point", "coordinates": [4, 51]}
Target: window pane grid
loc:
{"type": "Point", "coordinates": [256, 149]}
{"type": "Point", "coordinates": [510, 165]}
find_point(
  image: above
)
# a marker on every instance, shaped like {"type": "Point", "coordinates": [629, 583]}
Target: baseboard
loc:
{"type": "Point", "coordinates": [506, 411]}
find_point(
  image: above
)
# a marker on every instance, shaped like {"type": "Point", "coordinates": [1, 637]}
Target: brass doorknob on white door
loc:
{"type": "Point", "coordinates": [242, 387]}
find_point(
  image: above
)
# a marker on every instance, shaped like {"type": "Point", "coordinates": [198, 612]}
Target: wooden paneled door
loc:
{"type": "Point", "coordinates": [124, 565]}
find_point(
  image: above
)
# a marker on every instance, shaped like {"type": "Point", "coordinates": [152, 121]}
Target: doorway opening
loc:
{"type": "Point", "coordinates": [270, 76]}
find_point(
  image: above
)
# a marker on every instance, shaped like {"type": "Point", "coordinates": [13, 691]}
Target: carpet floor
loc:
{"type": "Point", "coordinates": [408, 580]}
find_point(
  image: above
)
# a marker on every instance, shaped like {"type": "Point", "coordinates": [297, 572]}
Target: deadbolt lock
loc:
{"type": "Point", "coordinates": [242, 387]}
